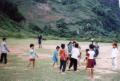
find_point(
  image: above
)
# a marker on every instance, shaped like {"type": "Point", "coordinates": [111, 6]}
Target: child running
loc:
{"type": "Point", "coordinates": [114, 56]}
{"type": "Point", "coordinates": [63, 59]}
{"type": "Point", "coordinates": [32, 56]}
{"type": "Point", "coordinates": [90, 62]}
{"type": "Point", "coordinates": [55, 56]}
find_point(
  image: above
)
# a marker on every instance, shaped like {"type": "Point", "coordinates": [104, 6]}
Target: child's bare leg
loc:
{"type": "Point", "coordinates": [33, 64]}
{"type": "Point", "coordinates": [40, 46]}
{"type": "Point", "coordinates": [57, 64]}
{"type": "Point", "coordinates": [86, 65]}
{"type": "Point", "coordinates": [89, 73]}
{"type": "Point", "coordinates": [92, 74]}
{"type": "Point", "coordinates": [53, 64]}
{"type": "Point", "coordinates": [29, 64]}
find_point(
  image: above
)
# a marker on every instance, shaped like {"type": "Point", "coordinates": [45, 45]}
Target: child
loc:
{"type": "Point", "coordinates": [86, 58]}
{"type": "Point", "coordinates": [55, 56]}
{"type": "Point", "coordinates": [4, 51]}
{"type": "Point", "coordinates": [96, 49]}
{"type": "Point", "coordinates": [90, 64]}
{"type": "Point", "coordinates": [74, 57]}
{"type": "Point", "coordinates": [40, 41]}
{"type": "Point", "coordinates": [114, 56]}
{"type": "Point", "coordinates": [32, 56]}
{"type": "Point", "coordinates": [70, 45]}
{"type": "Point", "coordinates": [63, 59]}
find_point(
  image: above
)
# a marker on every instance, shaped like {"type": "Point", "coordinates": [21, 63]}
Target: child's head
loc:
{"type": "Point", "coordinates": [76, 45]}
{"type": "Point", "coordinates": [115, 45]}
{"type": "Point", "coordinates": [63, 46]}
{"type": "Point", "coordinates": [4, 39]}
{"type": "Point", "coordinates": [32, 46]}
{"type": "Point", "coordinates": [69, 43]}
{"type": "Point", "coordinates": [91, 46]}
{"type": "Point", "coordinates": [57, 48]}
{"type": "Point", "coordinates": [87, 50]}
{"type": "Point", "coordinates": [74, 42]}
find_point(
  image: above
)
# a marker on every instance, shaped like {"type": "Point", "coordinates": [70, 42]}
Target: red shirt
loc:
{"type": "Point", "coordinates": [63, 55]}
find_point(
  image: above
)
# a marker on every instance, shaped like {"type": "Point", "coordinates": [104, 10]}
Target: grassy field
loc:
{"type": "Point", "coordinates": [16, 69]}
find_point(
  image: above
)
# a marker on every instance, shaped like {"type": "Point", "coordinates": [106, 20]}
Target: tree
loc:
{"type": "Point", "coordinates": [62, 28]}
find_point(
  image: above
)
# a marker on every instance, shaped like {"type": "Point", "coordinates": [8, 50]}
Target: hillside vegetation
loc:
{"type": "Point", "coordinates": [81, 19]}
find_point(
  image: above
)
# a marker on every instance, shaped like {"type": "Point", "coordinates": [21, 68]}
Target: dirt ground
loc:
{"type": "Point", "coordinates": [103, 61]}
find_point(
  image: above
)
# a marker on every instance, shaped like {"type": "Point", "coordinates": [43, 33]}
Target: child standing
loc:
{"type": "Point", "coordinates": [55, 56]}
{"type": "Point", "coordinates": [63, 59]}
{"type": "Point", "coordinates": [70, 46]}
{"type": "Point", "coordinates": [90, 62]}
{"type": "Point", "coordinates": [75, 57]}
{"type": "Point", "coordinates": [96, 49]}
{"type": "Point", "coordinates": [4, 51]}
{"type": "Point", "coordinates": [40, 41]}
{"type": "Point", "coordinates": [86, 58]}
{"type": "Point", "coordinates": [114, 56]}
{"type": "Point", "coordinates": [32, 56]}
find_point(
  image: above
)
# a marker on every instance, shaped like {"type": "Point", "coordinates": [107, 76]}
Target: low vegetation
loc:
{"type": "Point", "coordinates": [80, 19]}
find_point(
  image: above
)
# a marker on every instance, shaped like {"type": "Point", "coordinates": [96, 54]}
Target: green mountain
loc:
{"type": "Point", "coordinates": [83, 19]}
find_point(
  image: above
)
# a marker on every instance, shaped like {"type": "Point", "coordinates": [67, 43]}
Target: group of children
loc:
{"type": "Point", "coordinates": [70, 57]}
{"type": "Point", "coordinates": [73, 56]}
{"type": "Point", "coordinates": [66, 56]}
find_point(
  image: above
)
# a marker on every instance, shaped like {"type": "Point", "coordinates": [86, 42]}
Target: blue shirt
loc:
{"type": "Point", "coordinates": [55, 54]}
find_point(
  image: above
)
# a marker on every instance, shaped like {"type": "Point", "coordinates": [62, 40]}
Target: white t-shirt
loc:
{"type": "Point", "coordinates": [114, 52]}
{"type": "Point", "coordinates": [32, 54]}
{"type": "Point", "coordinates": [75, 53]}
{"type": "Point", "coordinates": [4, 48]}
{"type": "Point", "coordinates": [91, 54]}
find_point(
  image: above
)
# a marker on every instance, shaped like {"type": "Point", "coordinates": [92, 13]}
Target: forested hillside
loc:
{"type": "Point", "coordinates": [84, 19]}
